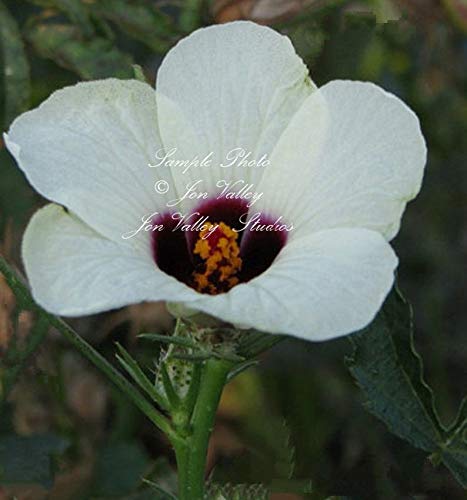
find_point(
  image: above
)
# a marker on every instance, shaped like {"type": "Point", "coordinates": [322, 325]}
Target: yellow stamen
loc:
{"type": "Point", "coordinates": [218, 249]}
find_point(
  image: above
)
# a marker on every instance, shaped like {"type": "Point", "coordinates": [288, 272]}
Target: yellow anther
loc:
{"type": "Point", "coordinates": [218, 249]}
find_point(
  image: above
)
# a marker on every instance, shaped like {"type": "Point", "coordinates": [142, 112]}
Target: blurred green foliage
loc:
{"type": "Point", "coordinates": [301, 393]}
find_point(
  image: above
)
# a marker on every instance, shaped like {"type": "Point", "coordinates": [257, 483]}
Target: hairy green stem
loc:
{"type": "Point", "coordinates": [192, 452]}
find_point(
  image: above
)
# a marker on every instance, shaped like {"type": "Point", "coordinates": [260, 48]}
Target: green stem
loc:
{"type": "Point", "coordinates": [192, 452]}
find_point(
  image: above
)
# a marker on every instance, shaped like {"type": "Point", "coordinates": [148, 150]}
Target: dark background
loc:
{"type": "Point", "coordinates": [302, 393]}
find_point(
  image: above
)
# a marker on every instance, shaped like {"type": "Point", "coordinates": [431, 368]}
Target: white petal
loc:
{"type": "Point", "coordinates": [321, 286]}
{"type": "Point", "coordinates": [228, 86]}
{"type": "Point", "coordinates": [353, 156]}
{"type": "Point", "coordinates": [88, 147]}
{"type": "Point", "coordinates": [74, 271]}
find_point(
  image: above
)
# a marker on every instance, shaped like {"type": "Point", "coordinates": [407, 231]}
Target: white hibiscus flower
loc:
{"type": "Point", "coordinates": [343, 162]}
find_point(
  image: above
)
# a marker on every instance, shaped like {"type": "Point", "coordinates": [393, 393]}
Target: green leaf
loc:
{"type": "Point", "coordinates": [269, 456]}
{"type": "Point", "coordinates": [29, 459]}
{"type": "Point", "coordinates": [90, 59]}
{"type": "Point", "coordinates": [455, 454]}
{"type": "Point", "coordinates": [253, 343]}
{"type": "Point", "coordinates": [189, 400]}
{"type": "Point", "coordinates": [390, 373]}
{"type": "Point", "coordinates": [240, 368]}
{"type": "Point", "coordinates": [15, 68]}
{"type": "Point", "coordinates": [285, 464]}
{"type": "Point", "coordinates": [461, 420]}
{"type": "Point", "coordinates": [455, 457]}
{"type": "Point", "coordinates": [119, 469]}
{"type": "Point", "coordinates": [169, 389]}
{"type": "Point", "coordinates": [137, 374]}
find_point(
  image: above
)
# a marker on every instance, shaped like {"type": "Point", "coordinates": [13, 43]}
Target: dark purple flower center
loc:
{"type": "Point", "coordinates": [218, 245]}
